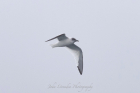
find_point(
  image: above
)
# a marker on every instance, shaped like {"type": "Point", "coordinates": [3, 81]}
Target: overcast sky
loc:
{"type": "Point", "coordinates": [109, 36]}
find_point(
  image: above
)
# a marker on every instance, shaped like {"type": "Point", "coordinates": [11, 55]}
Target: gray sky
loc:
{"type": "Point", "coordinates": [109, 35]}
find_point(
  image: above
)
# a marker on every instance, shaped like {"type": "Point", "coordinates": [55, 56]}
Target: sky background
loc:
{"type": "Point", "coordinates": [109, 36]}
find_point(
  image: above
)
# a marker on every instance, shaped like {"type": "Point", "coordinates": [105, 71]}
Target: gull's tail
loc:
{"type": "Point", "coordinates": [52, 45]}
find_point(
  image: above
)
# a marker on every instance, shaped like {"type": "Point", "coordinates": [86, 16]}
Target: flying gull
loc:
{"type": "Point", "coordinates": [69, 43]}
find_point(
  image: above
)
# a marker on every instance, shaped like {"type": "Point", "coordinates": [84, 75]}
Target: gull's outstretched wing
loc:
{"type": "Point", "coordinates": [78, 56]}
{"type": "Point", "coordinates": [60, 37]}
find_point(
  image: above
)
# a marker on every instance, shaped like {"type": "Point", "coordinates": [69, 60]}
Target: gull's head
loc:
{"type": "Point", "coordinates": [74, 40]}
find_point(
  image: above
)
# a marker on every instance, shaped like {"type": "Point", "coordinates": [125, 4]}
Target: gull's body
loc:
{"type": "Point", "coordinates": [63, 43]}
{"type": "Point", "coordinates": [69, 43]}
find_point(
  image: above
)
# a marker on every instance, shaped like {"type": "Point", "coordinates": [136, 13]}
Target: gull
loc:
{"type": "Point", "coordinates": [69, 43]}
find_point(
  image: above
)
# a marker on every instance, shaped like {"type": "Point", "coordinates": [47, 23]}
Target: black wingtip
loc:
{"type": "Point", "coordinates": [79, 70]}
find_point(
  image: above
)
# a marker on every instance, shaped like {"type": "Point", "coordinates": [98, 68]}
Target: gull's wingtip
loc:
{"type": "Point", "coordinates": [79, 70]}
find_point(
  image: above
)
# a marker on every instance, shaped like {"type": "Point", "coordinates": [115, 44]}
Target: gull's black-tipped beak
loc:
{"type": "Point", "coordinates": [77, 40]}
